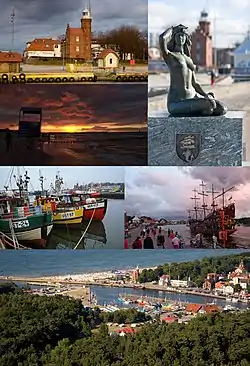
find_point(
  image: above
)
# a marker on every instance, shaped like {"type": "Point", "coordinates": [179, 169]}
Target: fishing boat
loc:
{"type": "Point", "coordinates": [21, 220]}
{"type": "Point", "coordinates": [95, 207]}
{"type": "Point", "coordinates": [218, 221]}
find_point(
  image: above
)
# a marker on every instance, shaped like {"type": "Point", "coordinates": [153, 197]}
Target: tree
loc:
{"type": "Point", "coordinates": [125, 40]}
{"type": "Point", "coordinates": [237, 287]}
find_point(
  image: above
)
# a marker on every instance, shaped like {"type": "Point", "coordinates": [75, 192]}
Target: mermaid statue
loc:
{"type": "Point", "coordinates": [186, 98]}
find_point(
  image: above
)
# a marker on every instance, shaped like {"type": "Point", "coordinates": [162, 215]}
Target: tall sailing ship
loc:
{"type": "Point", "coordinates": [218, 220]}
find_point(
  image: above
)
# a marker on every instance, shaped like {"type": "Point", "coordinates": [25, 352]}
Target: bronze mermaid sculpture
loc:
{"type": "Point", "coordinates": [183, 99]}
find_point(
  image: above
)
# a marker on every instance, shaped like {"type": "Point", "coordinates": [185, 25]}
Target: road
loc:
{"type": "Point", "coordinates": [235, 95]}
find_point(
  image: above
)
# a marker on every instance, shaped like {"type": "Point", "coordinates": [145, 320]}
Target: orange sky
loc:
{"type": "Point", "coordinates": [77, 108]}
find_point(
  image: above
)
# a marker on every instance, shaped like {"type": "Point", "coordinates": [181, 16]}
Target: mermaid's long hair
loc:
{"type": "Point", "coordinates": [172, 44]}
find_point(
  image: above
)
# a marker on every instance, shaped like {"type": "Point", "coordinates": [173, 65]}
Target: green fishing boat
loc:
{"type": "Point", "coordinates": [30, 225]}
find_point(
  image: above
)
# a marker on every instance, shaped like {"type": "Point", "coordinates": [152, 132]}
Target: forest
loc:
{"type": "Point", "coordinates": [58, 331]}
{"type": "Point", "coordinates": [196, 270]}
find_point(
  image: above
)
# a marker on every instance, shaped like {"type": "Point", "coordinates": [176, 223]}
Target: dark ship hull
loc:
{"type": "Point", "coordinates": [215, 222]}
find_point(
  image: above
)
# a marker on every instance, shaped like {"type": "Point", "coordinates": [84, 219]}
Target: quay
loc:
{"type": "Point", "coordinates": [42, 281]}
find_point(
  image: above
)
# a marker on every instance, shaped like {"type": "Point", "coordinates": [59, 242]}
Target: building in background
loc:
{"type": "Point", "coordinates": [78, 40]}
{"type": "Point", "coordinates": [10, 61]}
{"type": "Point", "coordinates": [108, 59]}
{"type": "Point", "coordinates": [43, 48]}
{"type": "Point", "coordinates": [202, 47]}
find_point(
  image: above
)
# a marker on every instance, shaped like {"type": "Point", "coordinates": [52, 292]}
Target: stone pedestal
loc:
{"type": "Point", "coordinates": [192, 141]}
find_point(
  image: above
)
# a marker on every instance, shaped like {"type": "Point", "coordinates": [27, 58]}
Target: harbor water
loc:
{"type": "Point", "coordinates": [35, 263]}
{"type": "Point", "coordinates": [106, 235]}
{"type": "Point", "coordinates": [107, 295]}
{"type": "Point", "coordinates": [240, 239]}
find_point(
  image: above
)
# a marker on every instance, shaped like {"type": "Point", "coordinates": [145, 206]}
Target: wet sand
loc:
{"type": "Point", "coordinates": [126, 148]}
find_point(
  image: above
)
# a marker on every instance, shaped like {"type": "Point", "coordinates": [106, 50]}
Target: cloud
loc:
{"type": "Point", "coordinates": [114, 107]}
{"type": "Point", "coordinates": [228, 23]}
{"type": "Point", "coordinates": [36, 18]}
{"type": "Point", "coordinates": [167, 191]}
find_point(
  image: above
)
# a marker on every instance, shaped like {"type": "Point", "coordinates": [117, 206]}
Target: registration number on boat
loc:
{"type": "Point", "coordinates": [68, 215]}
{"type": "Point", "coordinates": [21, 224]}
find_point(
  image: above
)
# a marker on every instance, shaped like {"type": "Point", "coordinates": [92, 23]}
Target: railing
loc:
{"type": "Point", "coordinates": [22, 212]}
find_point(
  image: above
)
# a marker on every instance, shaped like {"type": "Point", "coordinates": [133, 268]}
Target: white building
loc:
{"type": "Point", "coordinates": [179, 283]}
{"type": "Point", "coordinates": [228, 290]}
{"type": "Point", "coordinates": [164, 280]}
{"type": "Point", "coordinates": [108, 59]}
{"type": "Point", "coordinates": [43, 48]}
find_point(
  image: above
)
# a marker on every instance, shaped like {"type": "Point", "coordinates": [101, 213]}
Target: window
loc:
{"type": "Point", "coordinates": [198, 57]}
{"type": "Point", "coordinates": [47, 45]}
{"type": "Point", "coordinates": [56, 46]}
{"type": "Point", "coordinates": [77, 39]}
{"type": "Point", "coordinates": [77, 49]}
{"type": "Point", "coordinates": [110, 61]}
{"type": "Point", "coordinates": [198, 45]}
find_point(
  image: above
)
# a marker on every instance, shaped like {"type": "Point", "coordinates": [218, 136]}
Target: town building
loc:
{"type": "Point", "coordinates": [108, 59]}
{"type": "Point", "coordinates": [202, 47]}
{"type": "Point", "coordinates": [10, 62]}
{"type": "Point", "coordinates": [78, 40]}
{"type": "Point", "coordinates": [179, 283]}
{"type": "Point", "coordinates": [170, 319]}
{"type": "Point", "coordinates": [164, 280]}
{"type": "Point", "coordinates": [135, 274]}
{"type": "Point", "coordinates": [43, 48]}
{"type": "Point", "coordinates": [208, 285]}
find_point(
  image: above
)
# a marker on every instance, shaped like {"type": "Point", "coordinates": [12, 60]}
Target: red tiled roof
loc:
{"type": "Point", "coordinates": [43, 44]}
{"type": "Point", "coordinates": [211, 308]}
{"type": "Point", "coordinates": [106, 52]}
{"type": "Point", "coordinates": [193, 308]}
{"type": "Point", "coordinates": [126, 330]}
{"type": "Point", "coordinates": [10, 57]}
{"type": "Point", "coordinates": [219, 284]}
{"type": "Point", "coordinates": [170, 319]}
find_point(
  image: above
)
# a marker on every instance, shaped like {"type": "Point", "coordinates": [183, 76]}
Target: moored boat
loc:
{"type": "Point", "coordinates": [30, 225]}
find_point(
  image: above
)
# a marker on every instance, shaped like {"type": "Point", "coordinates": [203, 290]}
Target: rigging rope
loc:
{"type": "Point", "coordinates": [90, 221]}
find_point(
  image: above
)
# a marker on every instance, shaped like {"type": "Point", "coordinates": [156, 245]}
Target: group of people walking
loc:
{"type": "Point", "coordinates": [149, 236]}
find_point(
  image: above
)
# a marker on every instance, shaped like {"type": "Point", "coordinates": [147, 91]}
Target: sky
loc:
{"type": "Point", "coordinates": [77, 108]}
{"type": "Point", "coordinates": [230, 18]}
{"type": "Point", "coordinates": [71, 175]}
{"type": "Point", "coordinates": [49, 18]}
{"type": "Point", "coordinates": [165, 192]}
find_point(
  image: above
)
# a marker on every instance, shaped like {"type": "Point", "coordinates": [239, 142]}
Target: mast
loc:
{"type": "Point", "coordinates": [12, 20]}
{"type": "Point", "coordinates": [41, 178]}
{"type": "Point", "coordinates": [223, 195]}
{"type": "Point", "coordinates": [203, 194]}
{"type": "Point", "coordinates": [213, 205]}
{"type": "Point", "coordinates": [196, 199]}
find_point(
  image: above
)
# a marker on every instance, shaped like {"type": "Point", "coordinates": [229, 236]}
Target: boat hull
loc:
{"type": "Point", "coordinates": [33, 229]}
{"type": "Point", "coordinates": [96, 210]}
{"type": "Point", "coordinates": [72, 217]}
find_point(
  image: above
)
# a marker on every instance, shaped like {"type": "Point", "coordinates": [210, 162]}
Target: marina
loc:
{"type": "Point", "coordinates": [57, 217]}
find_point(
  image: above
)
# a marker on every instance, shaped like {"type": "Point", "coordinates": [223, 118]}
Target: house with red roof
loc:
{"type": "Point", "coordinates": [193, 309]}
{"type": "Point", "coordinates": [126, 331]}
{"type": "Point", "coordinates": [43, 48]}
{"type": "Point", "coordinates": [10, 62]}
{"type": "Point", "coordinates": [170, 319]}
{"type": "Point", "coordinates": [108, 59]}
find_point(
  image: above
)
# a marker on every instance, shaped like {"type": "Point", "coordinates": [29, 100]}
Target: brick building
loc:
{"type": "Point", "coordinates": [78, 40]}
{"type": "Point", "coordinates": [202, 46]}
